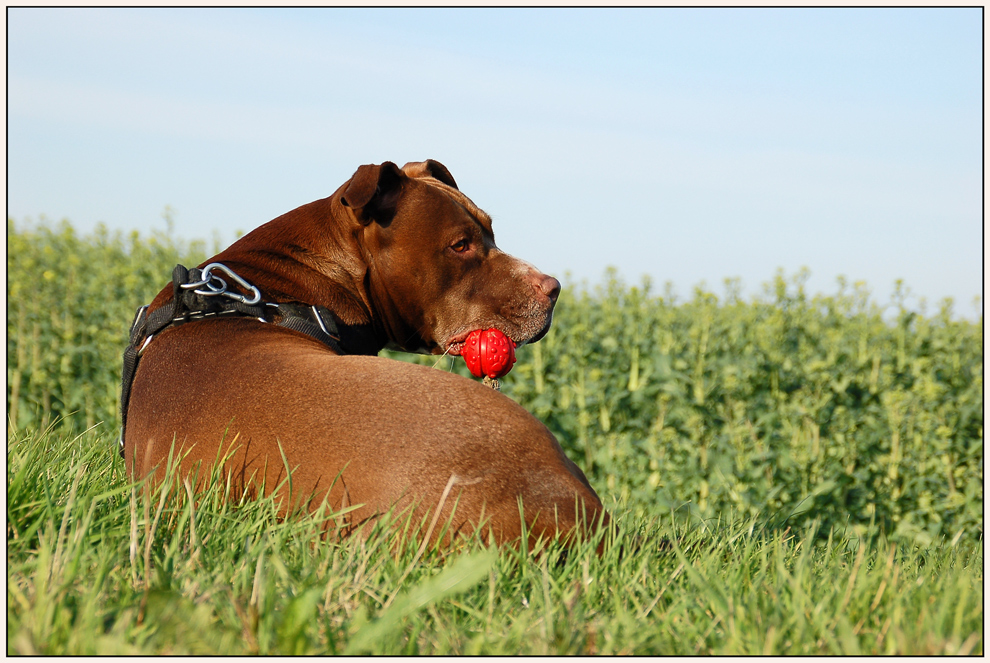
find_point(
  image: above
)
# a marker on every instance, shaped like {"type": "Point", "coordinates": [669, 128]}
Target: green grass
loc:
{"type": "Point", "coordinates": [96, 565]}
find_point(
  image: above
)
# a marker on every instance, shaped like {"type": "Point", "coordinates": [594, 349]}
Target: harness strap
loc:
{"type": "Point", "coordinates": [315, 321]}
{"type": "Point", "coordinates": [190, 301]}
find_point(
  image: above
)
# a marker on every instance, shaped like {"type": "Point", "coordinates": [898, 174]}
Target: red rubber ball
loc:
{"type": "Point", "coordinates": [489, 352]}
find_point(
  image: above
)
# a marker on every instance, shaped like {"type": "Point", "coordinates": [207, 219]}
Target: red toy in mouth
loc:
{"type": "Point", "coordinates": [488, 353]}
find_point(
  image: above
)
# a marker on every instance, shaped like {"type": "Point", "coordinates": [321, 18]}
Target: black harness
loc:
{"type": "Point", "coordinates": [201, 295]}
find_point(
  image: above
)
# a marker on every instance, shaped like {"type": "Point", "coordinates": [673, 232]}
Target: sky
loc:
{"type": "Point", "coordinates": [689, 145]}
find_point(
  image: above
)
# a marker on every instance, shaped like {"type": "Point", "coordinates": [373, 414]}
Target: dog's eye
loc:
{"type": "Point", "coordinates": [461, 246]}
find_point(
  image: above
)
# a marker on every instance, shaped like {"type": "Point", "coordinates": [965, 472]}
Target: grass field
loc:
{"type": "Point", "coordinates": [97, 566]}
{"type": "Point", "coordinates": [804, 475]}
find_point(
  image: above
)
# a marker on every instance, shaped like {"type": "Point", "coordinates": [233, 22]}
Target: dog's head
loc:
{"type": "Point", "coordinates": [434, 271]}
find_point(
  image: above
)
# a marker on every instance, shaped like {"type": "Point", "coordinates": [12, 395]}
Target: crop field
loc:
{"type": "Point", "coordinates": [790, 474]}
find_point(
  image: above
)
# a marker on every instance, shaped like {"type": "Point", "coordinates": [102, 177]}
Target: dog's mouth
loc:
{"type": "Point", "coordinates": [543, 332]}
{"type": "Point", "coordinates": [455, 344]}
{"type": "Point", "coordinates": [454, 347]}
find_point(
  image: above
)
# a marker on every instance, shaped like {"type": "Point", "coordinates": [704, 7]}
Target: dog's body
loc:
{"type": "Point", "coordinates": [402, 259]}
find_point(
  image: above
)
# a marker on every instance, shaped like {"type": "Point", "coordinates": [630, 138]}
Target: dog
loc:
{"type": "Point", "coordinates": [276, 371]}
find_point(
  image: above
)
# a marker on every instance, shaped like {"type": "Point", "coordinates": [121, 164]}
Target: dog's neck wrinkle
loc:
{"type": "Point", "coordinates": [385, 318]}
{"type": "Point", "coordinates": [395, 331]}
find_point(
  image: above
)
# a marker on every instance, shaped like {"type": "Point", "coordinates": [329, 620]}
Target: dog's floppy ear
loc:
{"type": "Point", "coordinates": [430, 168]}
{"type": "Point", "coordinates": [373, 192]}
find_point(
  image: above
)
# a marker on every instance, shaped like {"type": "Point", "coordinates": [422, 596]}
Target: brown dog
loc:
{"type": "Point", "coordinates": [401, 259]}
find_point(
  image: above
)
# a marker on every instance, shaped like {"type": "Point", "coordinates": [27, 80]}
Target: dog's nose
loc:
{"type": "Point", "coordinates": [550, 287]}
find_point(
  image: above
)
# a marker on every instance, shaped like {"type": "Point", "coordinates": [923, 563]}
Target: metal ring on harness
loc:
{"type": "Point", "coordinates": [210, 281]}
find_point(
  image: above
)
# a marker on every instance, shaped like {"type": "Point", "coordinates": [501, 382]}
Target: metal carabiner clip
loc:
{"type": "Point", "coordinates": [207, 280]}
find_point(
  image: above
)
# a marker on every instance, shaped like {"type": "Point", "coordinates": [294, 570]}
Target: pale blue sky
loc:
{"type": "Point", "coordinates": [687, 144]}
